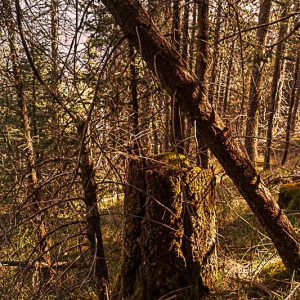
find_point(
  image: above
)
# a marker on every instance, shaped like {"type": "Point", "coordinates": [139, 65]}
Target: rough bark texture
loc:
{"type": "Point", "coordinates": [94, 234]}
{"type": "Point", "coordinates": [134, 210]}
{"type": "Point", "coordinates": [170, 69]}
{"type": "Point", "coordinates": [167, 201]}
{"type": "Point", "coordinates": [256, 75]}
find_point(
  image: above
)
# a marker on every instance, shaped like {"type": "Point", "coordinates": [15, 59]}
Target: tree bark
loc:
{"type": "Point", "coordinates": [162, 203]}
{"type": "Point", "coordinates": [228, 78]}
{"type": "Point", "coordinates": [177, 116]}
{"type": "Point", "coordinates": [54, 125]}
{"type": "Point", "coordinates": [36, 201]}
{"type": "Point", "coordinates": [193, 37]}
{"type": "Point", "coordinates": [167, 64]}
{"type": "Point", "coordinates": [201, 70]}
{"type": "Point", "coordinates": [134, 99]}
{"type": "Point", "coordinates": [256, 75]}
{"type": "Point", "coordinates": [213, 76]}
{"type": "Point", "coordinates": [291, 111]}
{"type": "Point", "coordinates": [185, 30]}
{"type": "Point", "coordinates": [94, 234]}
{"type": "Point", "coordinates": [134, 211]}
{"type": "Point", "coordinates": [278, 68]}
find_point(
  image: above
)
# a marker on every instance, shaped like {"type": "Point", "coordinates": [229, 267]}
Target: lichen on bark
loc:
{"type": "Point", "coordinates": [170, 248]}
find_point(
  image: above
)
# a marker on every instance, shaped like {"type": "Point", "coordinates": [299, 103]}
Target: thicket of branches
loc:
{"type": "Point", "coordinates": [77, 101]}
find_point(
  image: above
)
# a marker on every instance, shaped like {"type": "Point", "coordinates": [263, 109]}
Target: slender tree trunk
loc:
{"type": "Point", "coordinates": [278, 69]}
{"type": "Point", "coordinates": [291, 110]}
{"type": "Point", "coordinates": [193, 37]}
{"type": "Point", "coordinates": [185, 30]}
{"type": "Point", "coordinates": [254, 96]}
{"type": "Point", "coordinates": [167, 125]}
{"type": "Point", "coordinates": [296, 107]}
{"type": "Point", "coordinates": [202, 44]}
{"type": "Point", "coordinates": [39, 220]}
{"type": "Point", "coordinates": [54, 69]}
{"type": "Point", "coordinates": [165, 61]}
{"type": "Point", "coordinates": [54, 41]}
{"type": "Point", "coordinates": [297, 100]}
{"type": "Point", "coordinates": [176, 34]}
{"type": "Point", "coordinates": [177, 116]}
{"type": "Point", "coordinates": [219, 83]}
{"type": "Point", "coordinates": [94, 234]}
{"type": "Point", "coordinates": [228, 77]}
{"type": "Point", "coordinates": [134, 99]}
{"type": "Point", "coordinates": [213, 76]}
{"type": "Point", "coordinates": [201, 69]}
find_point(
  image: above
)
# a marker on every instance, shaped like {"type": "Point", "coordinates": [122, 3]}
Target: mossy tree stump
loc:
{"type": "Point", "coordinates": [289, 196]}
{"type": "Point", "coordinates": [169, 230]}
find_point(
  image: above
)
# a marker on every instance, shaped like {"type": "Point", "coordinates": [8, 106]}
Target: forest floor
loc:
{"type": "Point", "coordinates": [249, 267]}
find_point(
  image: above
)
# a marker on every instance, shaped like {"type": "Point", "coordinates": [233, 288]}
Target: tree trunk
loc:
{"type": "Point", "coordinates": [193, 37]}
{"type": "Point", "coordinates": [291, 110]}
{"type": "Point", "coordinates": [94, 234]}
{"type": "Point", "coordinates": [185, 30]}
{"type": "Point", "coordinates": [42, 273]}
{"type": "Point", "coordinates": [165, 61]}
{"type": "Point", "coordinates": [213, 76]}
{"type": "Point", "coordinates": [201, 69]}
{"type": "Point", "coordinates": [228, 77]}
{"type": "Point", "coordinates": [176, 34]}
{"type": "Point", "coordinates": [177, 116]}
{"type": "Point", "coordinates": [256, 75]}
{"type": "Point", "coordinates": [296, 107]}
{"type": "Point", "coordinates": [54, 125]}
{"type": "Point", "coordinates": [134, 99]}
{"type": "Point", "coordinates": [167, 201]}
{"type": "Point", "coordinates": [278, 69]}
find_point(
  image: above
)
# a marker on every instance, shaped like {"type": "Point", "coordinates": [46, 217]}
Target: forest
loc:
{"type": "Point", "coordinates": [149, 149]}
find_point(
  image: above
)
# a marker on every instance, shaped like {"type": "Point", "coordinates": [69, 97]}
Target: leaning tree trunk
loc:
{"type": "Point", "coordinates": [256, 75]}
{"type": "Point", "coordinates": [170, 230]}
{"type": "Point", "coordinates": [167, 64]}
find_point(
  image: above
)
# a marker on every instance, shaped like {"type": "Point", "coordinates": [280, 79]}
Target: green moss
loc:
{"type": "Point", "coordinates": [289, 196]}
{"type": "Point", "coordinates": [171, 158]}
{"type": "Point", "coordinates": [275, 269]}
